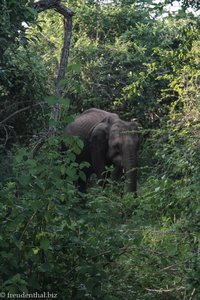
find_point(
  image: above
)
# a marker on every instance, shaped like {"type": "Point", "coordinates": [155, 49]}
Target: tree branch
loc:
{"type": "Point", "coordinates": [161, 290]}
{"type": "Point", "coordinates": [65, 11]}
{"type": "Point", "coordinates": [56, 109]}
{"type": "Point", "coordinates": [19, 111]}
{"type": "Point", "coordinates": [53, 4]}
{"type": "Point", "coordinates": [45, 4]}
{"type": "Point", "coordinates": [67, 14]}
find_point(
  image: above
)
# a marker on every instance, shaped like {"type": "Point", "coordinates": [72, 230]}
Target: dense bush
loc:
{"type": "Point", "coordinates": [104, 244]}
{"type": "Point", "coordinates": [24, 85]}
{"type": "Point", "coordinates": [23, 75]}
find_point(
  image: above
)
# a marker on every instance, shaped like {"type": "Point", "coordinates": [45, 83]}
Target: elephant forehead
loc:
{"type": "Point", "coordinates": [120, 129]}
{"type": "Point", "coordinates": [117, 138]}
{"type": "Point", "coordinates": [127, 140]}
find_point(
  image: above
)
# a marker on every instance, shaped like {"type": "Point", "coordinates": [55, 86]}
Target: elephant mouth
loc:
{"type": "Point", "coordinates": [117, 162]}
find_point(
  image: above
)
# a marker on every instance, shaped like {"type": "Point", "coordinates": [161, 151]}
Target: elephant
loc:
{"type": "Point", "coordinates": [108, 140]}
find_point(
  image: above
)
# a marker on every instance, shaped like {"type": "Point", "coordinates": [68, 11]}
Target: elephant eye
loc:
{"type": "Point", "coordinates": [116, 146]}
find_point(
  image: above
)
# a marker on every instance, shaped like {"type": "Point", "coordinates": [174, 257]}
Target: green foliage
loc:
{"type": "Point", "coordinates": [127, 57]}
{"type": "Point", "coordinates": [23, 76]}
{"type": "Point", "coordinates": [111, 247]}
{"type": "Point", "coordinates": [23, 86]}
{"type": "Point", "coordinates": [12, 28]}
{"type": "Point", "coordinates": [111, 57]}
{"type": "Point", "coordinates": [48, 241]}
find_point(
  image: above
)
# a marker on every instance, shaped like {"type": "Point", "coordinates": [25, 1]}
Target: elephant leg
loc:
{"type": "Point", "coordinates": [117, 176]}
{"type": "Point", "coordinates": [117, 173]}
{"type": "Point", "coordinates": [82, 185]}
{"type": "Point", "coordinates": [98, 150]}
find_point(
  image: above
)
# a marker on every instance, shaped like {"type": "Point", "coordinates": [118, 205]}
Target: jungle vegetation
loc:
{"type": "Point", "coordinates": [140, 59]}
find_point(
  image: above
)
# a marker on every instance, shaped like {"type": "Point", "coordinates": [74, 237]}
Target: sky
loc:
{"type": "Point", "coordinates": [176, 6]}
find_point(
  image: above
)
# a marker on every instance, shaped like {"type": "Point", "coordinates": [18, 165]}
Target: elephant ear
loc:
{"type": "Point", "coordinates": [99, 147]}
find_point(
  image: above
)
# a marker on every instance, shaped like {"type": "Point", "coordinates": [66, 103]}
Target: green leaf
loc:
{"type": "Point", "coordinates": [44, 243]}
{"type": "Point", "coordinates": [51, 100]}
{"type": "Point", "coordinates": [36, 204]}
{"type": "Point", "coordinates": [82, 175]}
{"type": "Point", "coordinates": [109, 297]}
{"type": "Point", "coordinates": [65, 102]}
{"type": "Point", "coordinates": [80, 143]}
{"type": "Point", "coordinates": [46, 267]}
{"type": "Point", "coordinates": [71, 172]}
{"type": "Point", "coordinates": [32, 11]}
{"type": "Point", "coordinates": [24, 179]}
{"type": "Point", "coordinates": [77, 67]}
{"type": "Point", "coordinates": [33, 282]}
{"type": "Point", "coordinates": [52, 122]}
{"type": "Point", "coordinates": [18, 243]}
{"type": "Point", "coordinates": [62, 169]}
{"type": "Point", "coordinates": [69, 119]}
{"type": "Point", "coordinates": [23, 288]}
{"type": "Point", "coordinates": [62, 82]}
{"type": "Point", "coordinates": [172, 249]}
{"type": "Point", "coordinates": [36, 250]}
{"type": "Point", "coordinates": [20, 155]}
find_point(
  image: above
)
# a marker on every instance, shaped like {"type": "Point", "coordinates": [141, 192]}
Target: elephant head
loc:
{"type": "Point", "coordinates": [114, 141]}
{"type": "Point", "coordinates": [108, 141]}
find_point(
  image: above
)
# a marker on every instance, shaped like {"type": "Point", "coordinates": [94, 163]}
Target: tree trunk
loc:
{"type": "Point", "coordinates": [67, 14]}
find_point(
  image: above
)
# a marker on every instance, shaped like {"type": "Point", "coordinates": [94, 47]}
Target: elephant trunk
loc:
{"type": "Point", "coordinates": [130, 166]}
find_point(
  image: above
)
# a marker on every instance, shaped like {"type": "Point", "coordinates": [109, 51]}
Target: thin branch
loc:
{"type": "Point", "coordinates": [96, 256]}
{"type": "Point", "coordinates": [170, 268]}
{"type": "Point", "coordinates": [39, 144]}
{"type": "Point", "coordinates": [53, 4]}
{"type": "Point", "coordinates": [6, 133]}
{"type": "Point", "coordinates": [27, 224]}
{"type": "Point", "coordinates": [192, 294]}
{"type": "Point", "coordinates": [45, 4]}
{"type": "Point", "coordinates": [161, 290]}
{"type": "Point", "coordinates": [19, 111]}
{"type": "Point", "coordinates": [17, 103]}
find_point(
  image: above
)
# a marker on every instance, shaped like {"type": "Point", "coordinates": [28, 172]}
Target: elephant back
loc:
{"type": "Point", "coordinates": [85, 123]}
